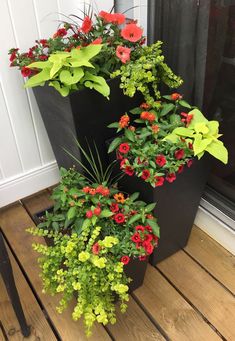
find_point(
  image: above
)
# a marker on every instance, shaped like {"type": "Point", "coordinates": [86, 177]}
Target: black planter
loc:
{"type": "Point", "coordinates": [177, 205]}
{"type": "Point", "coordinates": [84, 114]}
{"type": "Point", "coordinates": [135, 269]}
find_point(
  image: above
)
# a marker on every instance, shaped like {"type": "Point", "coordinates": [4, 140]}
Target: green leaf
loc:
{"type": "Point", "coordinates": [113, 125]}
{"type": "Point", "coordinates": [174, 119]}
{"type": "Point", "coordinates": [218, 150]}
{"type": "Point", "coordinates": [130, 135]}
{"type": "Point", "coordinates": [150, 207]}
{"type": "Point", "coordinates": [155, 227]}
{"type": "Point", "coordinates": [71, 212]}
{"type": "Point", "coordinates": [134, 196]}
{"type": "Point", "coordinates": [94, 220]}
{"type": "Point", "coordinates": [167, 107]}
{"type": "Point", "coordinates": [172, 138]}
{"type": "Point", "coordinates": [136, 111]}
{"type": "Point", "coordinates": [167, 97]}
{"type": "Point", "coordinates": [106, 214]}
{"type": "Point", "coordinates": [38, 79]}
{"type": "Point", "coordinates": [134, 218]}
{"type": "Point", "coordinates": [114, 144]}
{"type": "Point", "coordinates": [86, 224]}
{"type": "Point", "coordinates": [184, 104]}
{"type": "Point", "coordinates": [71, 77]}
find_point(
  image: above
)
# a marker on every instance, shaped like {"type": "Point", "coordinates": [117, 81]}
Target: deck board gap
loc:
{"type": "Point", "coordinates": [154, 322]}
{"type": "Point", "coordinates": [192, 305]}
{"type": "Point", "coordinates": [44, 311]}
{"type": "Point", "coordinates": [3, 332]}
{"type": "Point", "coordinates": [208, 272]}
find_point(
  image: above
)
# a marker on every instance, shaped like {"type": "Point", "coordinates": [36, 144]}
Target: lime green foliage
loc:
{"type": "Point", "coordinates": [146, 73]}
{"type": "Point", "coordinates": [68, 71]}
{"type": "Point", "coordinates": [204, 135]}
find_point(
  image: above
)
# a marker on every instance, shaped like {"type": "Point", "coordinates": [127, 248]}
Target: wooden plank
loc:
{"type": "Point", "coordinates": [169, 309]}
{"type": "Point", "coordinates": [213, 257]}
{"type": "Point", "coordinates": [134, 324]}
{"type": "Point", "coordinates": [205, 293]}
{"type": "Point", "coordinates": [14, 220]}
{"type": "Point", "coordinates": [2, 337]}
{"type": "Point", "coordinates": [40, 329]}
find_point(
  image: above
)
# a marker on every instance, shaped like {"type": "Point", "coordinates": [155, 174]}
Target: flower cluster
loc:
{"type": "Point", "coordinates": [143, 149]}
{"type": "Point", "coordinates": [120, 37]}
{"type": "Point", "coordinates": [96, 231]}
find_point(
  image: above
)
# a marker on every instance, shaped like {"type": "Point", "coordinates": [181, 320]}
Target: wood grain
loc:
{"type": "Point", "coordinates": [205, 293]}
{"type": "Point", "coordinates": [213, 257]}
{"type": "Point", "coordinates": [2, 337]}
{"type": "Point", "coordinates": [37, 202]}
{"type": "Point", "coordinates": [14, 221]}
{"type": "Point", "coordinates": [169, 309]}
{"type": "Point", "coordinates": [40, 329]}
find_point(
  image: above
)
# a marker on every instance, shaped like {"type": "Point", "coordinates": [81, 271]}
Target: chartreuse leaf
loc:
{"type": "Point", "coordinates": [114, 144]}
{"type": "Point", "coordinates": [181, 131]}
{"type": "Point", "coordinates": [213, 127]}
{"type": "Point", "coordinates": [40, 65]}
{"type": "Point", "coordinates": [198, 117]}
{"type": "Point", "coordinates": [86, 53]}
{"type": "Point", "coordinates": [38, 79]}
{"type": "Point", "coordinates": [96, 82]}
{"type": "Point", "coordinates": [71, 77]}
{"type": "Point", "coordinates": [218, 150]}
{"type": "Point", "coordinates": [201, 128]}
{"type": "Point", "coordinates": [172, 138]}
{"type": "Point", "coordinates": [200, 144]}
{"type": "Point", "coordinates": [63, 90]}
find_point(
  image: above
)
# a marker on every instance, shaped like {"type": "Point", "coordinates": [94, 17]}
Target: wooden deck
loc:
{"type": "Point", "coordinates": [189, 296]}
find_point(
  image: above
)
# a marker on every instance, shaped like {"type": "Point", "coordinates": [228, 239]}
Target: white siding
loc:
{"type": "Point", "coordinates": [27, 163]}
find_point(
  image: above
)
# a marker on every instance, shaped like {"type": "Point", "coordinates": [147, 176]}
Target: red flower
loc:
{"type": "Point", "coordinates": [190, 145]}
{"type": "Point", "coordinates": [187, 118]}
{"type": "Point", "coordinates": [159, 181]}
{"type": "Point", "coordinates": [123, 163]}
{"type": "Point", "coordinates": [114, 207]}
{"type": "Point", "coordinates": [160, 160]}
{"type": "Point", "coordinates": [175, 96]}
{"type": "Point", "coordinates": [97, 41]}
{"type": "Point", "coordinates": [150, 216]}
{"type": "Point", "coordinates": [145, 106]}
{"type": "Point", "coordinates": [136, 238]}
{"type": "Point", "coordinates": [86, 189]}
{"type": "Point", "coordinates": [60, 33]}
{"type": "Point", "coordinates": [123, 53]}
{"type": "Point", "coordinates": [155, 128]}
{"type": "Point", "coordinates": [189, 163]}
{"type": "Point", "coordinates": [113, 18]}
{"type": "Point", "coordinates": [96, 248]}
{"type": "Point", "coordinates": [132, 32]}
{"type": "Point", "coordinates": [179, 154]}
{"type": "Point", "coordinates": [125, 259]}
{"type": "Point", "coordinates": [129, 170]}
{"type": "Point", "coordinates": [119, 218]}
{"type": "Point", "coordinates": [43, 42]}
{"type": "Point", "coordinates": [86, 25]}
{"type": "Point", "coordinates": [124, 148]}
{"type": "Point", "coordinates": [145, 174]}
{"type": "Point", "coordinates": [171, 177]}
{"type": "Point", "coordinates": [180, 169]}
{"type": "Point", "coordinates": [97, 211]}
{"type": "Point", "coordinates": [148, 238]}
{"type": "Point", "coordinates": [25, 71]}
{"type": "Point", "coordinates": [149, 248]}
{"type": "Point", "coordinates": [148, 116]}
{"type": "Point", "coordinates": [139, 228]}
{"type": "Point", "coordinates": [142, 258]}
{"type": "Point", "coordinates": [43, 57]}
{"type": "Point", "coordinates": [148, 228]}
{"type": "Point", "coordinates": [124, 121]}
{"type": "Point", "coordinates": [89, 214]}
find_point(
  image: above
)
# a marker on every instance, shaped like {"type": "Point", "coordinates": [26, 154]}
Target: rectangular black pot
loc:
{"type": "Point", "coordinates": [176, 205]}
{"type": "Point", "coordinates": [135, 269]}
{"type": "Point", "coordinates": [84, 114]}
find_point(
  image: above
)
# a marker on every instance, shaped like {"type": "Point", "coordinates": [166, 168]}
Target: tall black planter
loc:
{"type": "Point", "coordinates": [84, 114]}
{"type": "Point", "coordinates": [177, 205]}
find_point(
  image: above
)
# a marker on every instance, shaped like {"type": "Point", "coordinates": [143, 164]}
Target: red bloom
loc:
{"type": "Point", "coordinates": [124, 148]}
{"type": "Point", "coordinates": [97, 41]}
{"type": "Point", "coordinates": [123, 163]}
{"type": "Point", "coordinates": [175, 96]}
{"type": "Point", "coordinates": [86, 189]}
{"type": "Point", "coordinates": [119, 218]}
{"type": "Point", "coordinates": [113, 18]}
{"type": "Point", "coordinates": [155, 128]}
{"type": "Point", "coordinates": [43, 42]}
{"type": "Point", "coordinates": [43, 57]}
{"type": "Point", "coordinates": [187, 118]}
{"type": "Point", "coordinates": [149, 248]}
{"type": "Point", "coordinates": [179, 154]}
{"type": "Point", "coordinates": [150, 216]}
{"type": "Point", "coordinates": [96, 248]}
{"type": "Point", "coordinates": [190, 145]}
{"type": "Point", "coordinates": [89, 214]}
{"type": "Point", "coordinates": [114, 207]}
{"type": "Point", "coordinates": [171, 177]}
{"type": "Point", "coordinates": [132, 32]}
{"type": "Point", "coordinates": [123, 53]}
{"type": "Point", "coordinates": [145, 106]}
{"type": "Point", "coordinates": [25, 71]}
{"type": "Point", "coordinates": [180, 169]}
{"type": "Point", "coordinates": [139, 228]}
{"type": "Point", "coordinates": [124, 121]}
{"type": "Point", "coordinates": [129, 170]}
{"type": "Point", "coordinates": [97, 211]}
{"type": "Point", "coordinates": [136, 238]}
{"type": "Point", "coordinates": [148, 228]}
{"type": "Point", "coordinates": [148, 238]}
{"type": "Point", "coordinates": [142, 258]}
{"type": "Point", "coordinates": [148, 116]}
{"type": "Point", "coordinates": [189, 163]}
{"type": "Point", "coordinates": [160, 160]}
{"type": "Point", "coordinates": [125, 259]}
{"type": "Point", "coordinates": [86, 25]}
{"type": "Point", "coordinates": [145, 174]}
{"type": "Point", "coordinates": [60, 33]}
{"type": "Point", "coordinates": [159, 181]}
